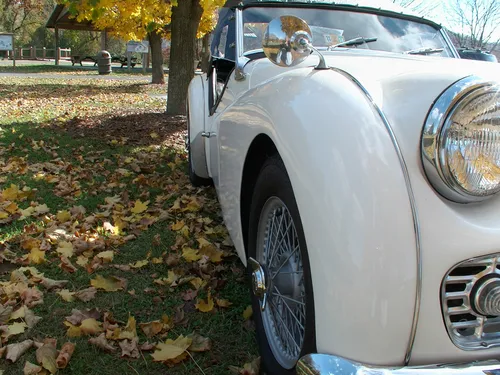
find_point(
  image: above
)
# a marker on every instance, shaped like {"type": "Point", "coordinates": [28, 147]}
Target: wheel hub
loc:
{"type": "Point", "coordinates": [259, 287]}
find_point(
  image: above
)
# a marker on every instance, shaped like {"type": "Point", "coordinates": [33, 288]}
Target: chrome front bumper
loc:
{"type": "Point", "coordinates": [323, 364]}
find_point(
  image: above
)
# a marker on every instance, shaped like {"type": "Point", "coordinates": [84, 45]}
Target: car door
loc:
{"type": "Point", "coordinates": [221, 71]}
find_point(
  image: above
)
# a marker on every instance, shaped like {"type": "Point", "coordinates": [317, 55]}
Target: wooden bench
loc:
{"type": "Point", "coordinates": [76, 59]}
{"type": "Point", "coordinates": [123, 61]}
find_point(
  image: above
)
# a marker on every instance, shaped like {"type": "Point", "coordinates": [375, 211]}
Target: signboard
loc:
{"type": "Point", "coordinates": [139, 47]}
{"type": "Point", "coordinates": [6, 42]}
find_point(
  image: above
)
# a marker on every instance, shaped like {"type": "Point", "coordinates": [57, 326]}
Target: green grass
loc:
{"type": "Point", "coordinates": [79, 128]}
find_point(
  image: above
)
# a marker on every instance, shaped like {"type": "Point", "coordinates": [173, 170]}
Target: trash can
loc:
{"type": "Point", "coordinates": [104, 62]}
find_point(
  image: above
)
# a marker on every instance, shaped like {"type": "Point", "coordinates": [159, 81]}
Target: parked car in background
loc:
{"type": "Point", "coordinates": [356, 158]}
{"type": "Point", "coordinates": [476, 54]}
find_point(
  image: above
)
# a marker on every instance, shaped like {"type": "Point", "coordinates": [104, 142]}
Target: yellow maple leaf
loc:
{"type": "Point", "coordinates": [11, 193]}
{"type": "Point", "coordinates": [205, 306]}
{"type": "Point", "coordinates": [158, 260]}
{"type": "Point", "coordinates": [27, 212]}
{"type": "Point", "coordinates": [63, 216]}
{"type": "Point", "coordinates": [212, 253]}
{"type": "Point", "coordinates": [66, 295]}
{"type": "Point", "coordinates": [198, 282]}
{"type": "Point", "coordinates": [151, 329]}
{"type": "Point", "coordinates": [65, 248]}
{"type": "Point", "coordinates": [178, 225]}
{"type": "Point", "coordinates": [139, 207]}
{"type": "Point", "coordinates": [14, 329]}
{"type": "Point", "coordinates": [109, 284]}
{"type": "Point", "coordinates": [170, 349]}
{"type": "Point", "coordinates": [82, 261]}
{"type": "Point", "coordinates": [247, 313]}
{"type": "Point", "coordinates": [11, 208]}
{"type": "Point", "coordinates": [36, 256]}
{"type": "Point", "coordinates": [73, 331]}
{"type": "Point", "coordinates": [90, 326]}
{"type": "Point", "coordinates": [106, 256]}
{"type": "Point", "coordinates": [139, 263]}
{"type": "Point", "coordinates": [223, 302]}
{"type": "Point", "coordinates": [3, 215]}
{"type": "Point", "coordinates": [191, 255]}
{"type": "Point", "coordinates": [153, 135]}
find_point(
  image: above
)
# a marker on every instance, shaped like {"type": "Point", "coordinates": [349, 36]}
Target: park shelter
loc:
{"type": "Point", "coordinates": [61, 19]}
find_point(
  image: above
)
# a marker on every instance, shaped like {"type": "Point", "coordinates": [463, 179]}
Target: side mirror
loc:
{"type": "Point", "coordinates": [287, 41]}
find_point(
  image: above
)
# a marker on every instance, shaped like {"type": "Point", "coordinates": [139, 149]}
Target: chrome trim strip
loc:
{"type": "Point", "coordinates": [449, 42]}
{"type": "Point", "coordinates": [432, 135]}
{"type": "Point", "coordinates": [322, 364]}
{"type": "Point", "coordinates": [411, 197]}
{"type": "Point", "coordinates": [241, 60]}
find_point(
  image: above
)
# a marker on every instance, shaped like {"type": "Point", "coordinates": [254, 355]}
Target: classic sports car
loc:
{"type": "Point", "coordinates": [357, 162]}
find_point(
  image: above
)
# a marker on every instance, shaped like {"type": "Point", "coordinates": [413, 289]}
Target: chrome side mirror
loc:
{"type": "Point", "coordinates": [287, 41]}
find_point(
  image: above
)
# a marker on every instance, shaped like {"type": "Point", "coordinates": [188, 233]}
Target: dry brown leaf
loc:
{"type": "Point", "coordinates": [77, 316]}
{"type": "Point", "coordinates": [32, 297]}
{"type": "Point", "coordinates": [199, 343]}
{"type": "Point", "coordinates": [146, 347]}
{"type": "Point", "coordinates": [66, 265]}
{"type": "Point", "coordinates": [129, 348]}
{"type": "Point", "coordinates": [46, 356]}
{"type": "Point", "coordinates": [151, 329]}
{"type": "Point", "coordinates": [31, 368]}
{"type": "Point", "coordinates": [86, 295]}
{"type": "Point", "coordinates": [109, 284]}
{"type": "Point", "coordinates": [15, 351]}
{"type": "Point", "coordinates": [65, 355]}
{"type": "Point", "coordinates": [5, 312]}
{"type": "Point", "coordinates": [52, 284]}
{"type": "Point", "coordinates": [102, 343]}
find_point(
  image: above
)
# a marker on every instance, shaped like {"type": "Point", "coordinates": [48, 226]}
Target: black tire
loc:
{"type": "Point", "coordinates": [273, 181]}
{"type": "Point", "coordinates": [195, 180]}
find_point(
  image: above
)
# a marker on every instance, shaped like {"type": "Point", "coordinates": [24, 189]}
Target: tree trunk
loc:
{"type": "Point", "coordinates": [186, 18]}
{"type": "Point", "coordinates": [156, 57]}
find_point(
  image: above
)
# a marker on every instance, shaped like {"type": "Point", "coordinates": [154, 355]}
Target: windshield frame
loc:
{"type": "Point", "coordinates": [242, 59]}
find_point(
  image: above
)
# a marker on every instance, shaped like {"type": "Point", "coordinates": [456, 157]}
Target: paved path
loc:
{"type": "Point", "coordinates": [77, 76]}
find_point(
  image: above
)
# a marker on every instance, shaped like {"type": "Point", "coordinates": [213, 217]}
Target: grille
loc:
{"type": "Point", "coordinates": [468, 329]}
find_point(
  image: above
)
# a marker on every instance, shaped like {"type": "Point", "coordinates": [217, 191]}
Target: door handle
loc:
{"type": "Point", "coordinates": [208, 134]}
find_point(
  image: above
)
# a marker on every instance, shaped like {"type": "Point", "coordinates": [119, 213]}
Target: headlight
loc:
{"type": "Point", "coordinates": [461, 141]}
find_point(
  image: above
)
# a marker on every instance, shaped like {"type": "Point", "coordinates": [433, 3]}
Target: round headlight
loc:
{"type": "Point", "coordinates": [461, 141]}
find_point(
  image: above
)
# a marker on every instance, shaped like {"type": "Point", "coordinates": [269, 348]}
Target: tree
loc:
{"type": "Point", "coordinates": [23, 17]}
{"type": "Point", "coordinates": [181, 20]}
{"type": "Point", "coordinates": [421, 7]}
{"type": "Point", "coordinates": [477, 22]}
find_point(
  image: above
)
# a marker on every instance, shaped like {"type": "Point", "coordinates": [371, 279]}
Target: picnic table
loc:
{"type": "Point", "coordinates": [77, 59]}
{"type": "Point", "coordinates": [123, 60]}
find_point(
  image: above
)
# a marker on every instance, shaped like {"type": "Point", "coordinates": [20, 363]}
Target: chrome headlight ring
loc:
{"type": "Point", "coordinates": [451, 179]}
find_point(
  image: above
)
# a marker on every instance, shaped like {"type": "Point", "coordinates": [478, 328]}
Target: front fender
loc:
{"type": "Point", "coordinates": [353, 202]}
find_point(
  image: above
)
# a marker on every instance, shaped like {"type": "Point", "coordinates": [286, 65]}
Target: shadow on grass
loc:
{"type": "Point", "coordinates": [45, 68]}
{"type": "Point", "coordinates": [62, 90]}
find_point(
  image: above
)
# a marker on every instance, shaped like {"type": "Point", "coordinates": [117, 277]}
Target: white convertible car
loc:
{"type": "Point", "coordinates": [357, 162]}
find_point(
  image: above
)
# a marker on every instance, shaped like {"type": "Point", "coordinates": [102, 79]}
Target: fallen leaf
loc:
{"type": "Point", "coordinates": [190, 255]}
{"type": "Point", "coordinates": [46, 356]}
{"type": "Point", "coordinates": [170, 349]}
{"type": "Point", "coordinates": [31, 368]}
{"type": "Point", "coordinates": [41, 209]}
{"type": "Point", "coordinates": [109, 284]}
{"type": "Point", "coordinates": [11, 193]}
{"type": "Point", "coordinates": [65, 355]}
{"type": "Point", "coordinates": [178, 225]}
{"type": "Point", "coordinates": [63, 216]}
{"type": "Point", "coordinates": [66, 265]}
{"type": "Point", "coordinates": [65, 248]}
{"type": "Point", "coordinates": [106, 256]}
{"type": "Point", "coordinates": [205, 306]}
{"type": "Point", "coordinates": [5, 312]}
{"type": "Point", "coordinates": [36, 256]}
{"type": "Point", "coordinates": [91, 326]}
{"type": "Point", "coordinates": [199, 343]}
{"type": "Point", "coordinates": [212, 253]}
{"type": "Point", "coordinates": [52, 284]}
{"type": "Point", "coordinates": [78, 316]}
{"type": "Point", "coordinates": [129, 348]}
{"type": "Point", "coordinates": [223, 302]}
{"type": "Point", "coordinates": [139, 263]}
{"type": "Point", "coordinates": [14, 329]}
{"type": "Point", "coordinates": [151, 329]}
{"type": "Point", "coordinates": [73, 330]}
{"type": "Point", "coordinates": [32, 297]}
{"type": "Point", "coordinates": [15, 351]}
{"type": "Point", "coordinates": [146, 347]}
{"type": "Point", "coordinates": [139, 207]}
{"type": "Point", "coordinates": [86, 295]}
{"type": "Point", "coordinates": [198, 282]}
{"type": "Point", "coordinates": [247, 313]}
{"type": "Point", "coordinates": [66, 295]}
{"type": "Point", "coordinates": [102, 343]}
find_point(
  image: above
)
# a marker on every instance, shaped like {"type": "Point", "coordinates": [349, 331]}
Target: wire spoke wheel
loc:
{"type": "Point", "coordinates": [278, 250]}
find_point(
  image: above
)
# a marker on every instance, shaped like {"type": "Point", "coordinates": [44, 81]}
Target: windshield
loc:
{"type": "Point", "coordinates": [330, 27]}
